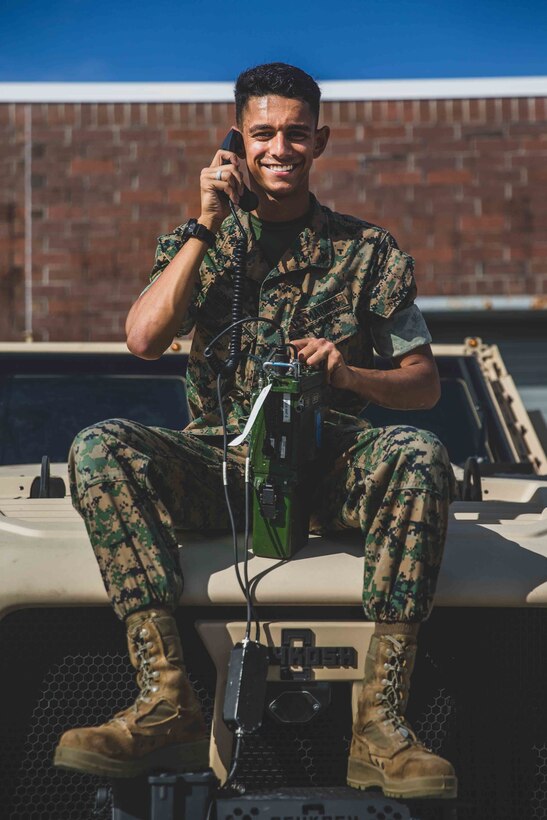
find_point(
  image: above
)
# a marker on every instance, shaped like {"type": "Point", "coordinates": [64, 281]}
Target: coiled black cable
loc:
{"type": "Point", "coordinates": [239, 256]}
{"type": "Point", "coordinates": [234, 348]}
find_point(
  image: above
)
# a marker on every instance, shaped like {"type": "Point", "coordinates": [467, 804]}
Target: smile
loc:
{"type": "Point", "coordinates": [279, 169]}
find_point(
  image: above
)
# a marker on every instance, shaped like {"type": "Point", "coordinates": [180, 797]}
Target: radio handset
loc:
{"type": "Point", "coordinates": [233, 142]}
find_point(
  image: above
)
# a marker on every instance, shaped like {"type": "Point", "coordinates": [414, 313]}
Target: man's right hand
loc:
{"type": "Point", "coordinates": [215, 208]}
{"type": "Point", "coordinates": [155, 317]}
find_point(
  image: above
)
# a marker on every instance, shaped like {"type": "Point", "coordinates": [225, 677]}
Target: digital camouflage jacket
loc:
{"type": "Point", "coordinates": [343, 279]}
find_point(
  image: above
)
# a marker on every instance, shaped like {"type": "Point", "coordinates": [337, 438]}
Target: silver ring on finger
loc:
{"type": "Point", "coordinates": [218, 174]}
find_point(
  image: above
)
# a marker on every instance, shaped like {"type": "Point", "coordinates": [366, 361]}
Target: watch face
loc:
{"type": "Point", "coordinates": [193, 228]}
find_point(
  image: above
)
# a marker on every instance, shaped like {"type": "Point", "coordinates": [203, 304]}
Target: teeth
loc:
{"type": "Point", "coordinates": [280, 167]}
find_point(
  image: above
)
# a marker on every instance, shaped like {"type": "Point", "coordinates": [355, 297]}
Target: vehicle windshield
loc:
{"type": "Point", "coordinates": [456, 420]}
{"type": "Point", "coordinates": [41, 414]}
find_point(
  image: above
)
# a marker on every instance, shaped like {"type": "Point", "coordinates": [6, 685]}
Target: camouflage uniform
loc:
{"type": "Point", "coordinates": [344, 280]}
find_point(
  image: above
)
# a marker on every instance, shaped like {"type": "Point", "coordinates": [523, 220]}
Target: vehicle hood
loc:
{"type": "Point", "coordinates": [495, 555]}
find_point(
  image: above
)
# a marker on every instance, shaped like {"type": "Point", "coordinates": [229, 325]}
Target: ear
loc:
{"type": "Point", "coordinates": [239, 147]}
{"type": "Point", "coordinates": [321, 139]}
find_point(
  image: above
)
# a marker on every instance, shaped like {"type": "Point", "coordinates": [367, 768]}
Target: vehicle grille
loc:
{"type": "Point", "coordinates": [478, 697]}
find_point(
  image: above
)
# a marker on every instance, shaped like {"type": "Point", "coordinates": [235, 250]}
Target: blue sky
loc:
{"type": "Point", "coordinates": [96, 40]}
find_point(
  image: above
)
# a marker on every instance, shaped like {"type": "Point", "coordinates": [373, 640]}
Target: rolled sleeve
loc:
{"type": "Point", "coordinates": [399, 333]}
{"type": "Point", "coordinates": [392, 285]}
{"type": "Point", "coordinates": [168, 247]}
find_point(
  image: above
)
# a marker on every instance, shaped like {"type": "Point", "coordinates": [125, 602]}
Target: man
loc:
{"type": "Point", "coordinates": [338, 286]}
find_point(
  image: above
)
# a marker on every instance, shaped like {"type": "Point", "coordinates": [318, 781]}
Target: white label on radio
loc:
{"type": "Point", "coordinates": [286, 406]}
{"type": "Point", "coordinates": [261, 398]}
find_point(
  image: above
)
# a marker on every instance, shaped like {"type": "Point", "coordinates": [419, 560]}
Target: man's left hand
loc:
{"type": "Point", "coordinates": [314, 351]}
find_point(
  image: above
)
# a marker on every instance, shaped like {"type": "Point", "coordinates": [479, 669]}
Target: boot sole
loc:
{"type": "Point", "coordinates": [183, 757]}
{"type": "Point", "coordinates": [364, 776]}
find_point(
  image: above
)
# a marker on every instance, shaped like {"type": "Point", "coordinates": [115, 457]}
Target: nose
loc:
{"type": "Point", "coordinates": [279, 145]}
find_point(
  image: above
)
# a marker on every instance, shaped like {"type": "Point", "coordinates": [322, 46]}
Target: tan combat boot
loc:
{"type": "Point", "coordinates": [385, 751]}
{"type": "Point", "coordinates": [163, 729]}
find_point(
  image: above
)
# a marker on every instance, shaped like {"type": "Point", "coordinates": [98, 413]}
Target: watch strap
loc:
{"type": "Point", "coordinates": [199, 231]}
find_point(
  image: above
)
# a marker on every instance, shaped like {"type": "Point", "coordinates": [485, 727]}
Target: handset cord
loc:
{"type": "Point", "coordinates": [239, 256]}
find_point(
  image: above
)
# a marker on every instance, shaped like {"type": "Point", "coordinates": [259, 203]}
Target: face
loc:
{"type": "Point", "coordinates": [281, 142]}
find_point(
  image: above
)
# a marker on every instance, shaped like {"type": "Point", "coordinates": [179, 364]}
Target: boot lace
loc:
{"type": "Point", "coordinates": [146, 676]}
{"type": "Point", "coordinates": [393, 692]}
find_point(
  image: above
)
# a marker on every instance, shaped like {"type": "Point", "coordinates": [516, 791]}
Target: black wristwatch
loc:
{"type": "Point", "coordinates": [199, 231]}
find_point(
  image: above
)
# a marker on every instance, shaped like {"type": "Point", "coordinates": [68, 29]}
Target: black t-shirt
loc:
{"type": "Point", "coordinates": [275, 238]}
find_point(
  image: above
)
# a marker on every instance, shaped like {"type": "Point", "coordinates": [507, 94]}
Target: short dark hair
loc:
{"type": "Point", "coordinates": [279, 79]}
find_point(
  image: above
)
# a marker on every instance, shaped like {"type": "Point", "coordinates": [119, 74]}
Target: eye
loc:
{"type": "Point", "coordinates": [298, 135]}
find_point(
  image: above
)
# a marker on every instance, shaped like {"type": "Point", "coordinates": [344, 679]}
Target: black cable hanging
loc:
{"type": "Point", "coordinates": [225, 371]}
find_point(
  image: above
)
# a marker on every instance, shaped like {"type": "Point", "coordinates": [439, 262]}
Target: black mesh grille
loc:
{"type": "Point", "coordinates": [478, 697]}
{"type": "Point", "coordinates": [67, 668]}
{"type": "Point", "coordinates": [313, 753]}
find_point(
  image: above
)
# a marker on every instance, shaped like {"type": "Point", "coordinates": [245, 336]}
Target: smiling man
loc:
{"type": "Point", "coordinates": [340, 287]}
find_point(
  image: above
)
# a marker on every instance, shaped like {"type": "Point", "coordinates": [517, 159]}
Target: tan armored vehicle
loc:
{"type": "Point", "coordinates": [478, 699]}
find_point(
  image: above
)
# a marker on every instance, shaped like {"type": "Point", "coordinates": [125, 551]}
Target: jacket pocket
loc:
{"type": "Point", "coordinates": [215, 307]}
{"type": "Point", "coordinates": [216, 315]}
{"type": "Point", "coordinates": [331, 319]}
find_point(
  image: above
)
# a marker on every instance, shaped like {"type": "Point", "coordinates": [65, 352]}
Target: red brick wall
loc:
{"type": "Point", "coordinates": [461, 184]}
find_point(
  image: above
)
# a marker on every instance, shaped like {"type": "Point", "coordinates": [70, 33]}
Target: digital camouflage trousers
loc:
{"type": "Point", "coordinates": [135, 485]}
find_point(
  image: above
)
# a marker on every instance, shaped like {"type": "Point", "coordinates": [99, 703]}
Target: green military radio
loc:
{"type": "Point", "coordinates": [285, 445]}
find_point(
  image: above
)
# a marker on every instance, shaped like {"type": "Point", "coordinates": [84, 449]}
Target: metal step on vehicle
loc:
{"type": "Point", "coordinates": [479, 702]}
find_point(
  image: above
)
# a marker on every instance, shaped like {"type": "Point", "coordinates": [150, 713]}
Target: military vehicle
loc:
{"type": "Point", "coordinates": [478, 688]}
